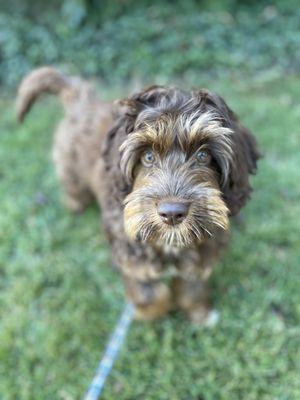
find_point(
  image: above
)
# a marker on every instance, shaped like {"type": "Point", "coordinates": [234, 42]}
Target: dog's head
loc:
{"type": "Point", "coordinates": [186, 160]}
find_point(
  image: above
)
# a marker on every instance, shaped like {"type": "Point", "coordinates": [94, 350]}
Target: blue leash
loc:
{"type": "Point", "coordinates": [110, 354]}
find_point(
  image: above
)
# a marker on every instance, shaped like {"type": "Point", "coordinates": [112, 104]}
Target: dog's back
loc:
{"type": "Point", "coordinates": [79, 136]}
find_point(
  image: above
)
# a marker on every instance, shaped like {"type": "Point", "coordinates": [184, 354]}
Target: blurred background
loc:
{"type": "Point", "coordinates": [123, 40]}
{"type": "Point", "coordinates": [59, 297]}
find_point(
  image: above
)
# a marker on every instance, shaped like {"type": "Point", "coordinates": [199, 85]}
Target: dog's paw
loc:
{"type": "Point", "coordinates": [212, 319]}
{"type": "Point", "coordinates": [201, 316]}
{"type": "Point", "coordinates": [159, 306]}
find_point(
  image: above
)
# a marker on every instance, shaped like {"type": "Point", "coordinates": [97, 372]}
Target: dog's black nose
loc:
{"type": "Point", "coordinates": [172, 212]}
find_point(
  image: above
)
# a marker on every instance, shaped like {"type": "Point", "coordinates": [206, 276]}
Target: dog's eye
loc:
{"type": "Point", "coordinates": [148, 158]}
{"type": "Point", "coordinates": [203, 156]}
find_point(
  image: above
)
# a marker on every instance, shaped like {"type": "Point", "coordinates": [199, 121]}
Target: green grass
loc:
{"type": "Point", "coordinates": [130, 40]}
{"type": "Point", "coordinates": [59, 298]}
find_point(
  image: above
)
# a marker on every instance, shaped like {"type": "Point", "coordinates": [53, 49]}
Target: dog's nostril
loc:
{"type": "Point", "coordinates": [172, 212]}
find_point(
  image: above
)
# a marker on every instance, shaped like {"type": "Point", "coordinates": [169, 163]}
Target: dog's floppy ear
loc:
{"type": "Point", "coordinates": [237, 189]}
{"type": "Point", "coordinates": [214, 103]}
{"type": "Point", "coordinates": [245, 155]}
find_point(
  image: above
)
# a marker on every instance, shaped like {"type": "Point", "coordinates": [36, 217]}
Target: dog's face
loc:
{"type": "Point", "coordinates": [178, 160]}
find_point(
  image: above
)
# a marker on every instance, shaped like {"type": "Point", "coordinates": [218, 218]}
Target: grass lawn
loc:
{"type": "Point", "coordinates": [59, 298]}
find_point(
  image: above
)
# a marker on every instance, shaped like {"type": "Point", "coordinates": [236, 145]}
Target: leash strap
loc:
{"type": "Point", "coordinates": [110, 354]}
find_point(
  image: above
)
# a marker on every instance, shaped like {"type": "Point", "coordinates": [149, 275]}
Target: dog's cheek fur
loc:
{"type": "Point", "coordinates": [210, 211]}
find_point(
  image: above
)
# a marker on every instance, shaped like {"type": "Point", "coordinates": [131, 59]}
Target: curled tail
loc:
{"type": "Point", "coordinates": [44, 79]}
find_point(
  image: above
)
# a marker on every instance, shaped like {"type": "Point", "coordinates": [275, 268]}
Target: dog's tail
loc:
{"type": "Point", "coordinates": [43, 79]}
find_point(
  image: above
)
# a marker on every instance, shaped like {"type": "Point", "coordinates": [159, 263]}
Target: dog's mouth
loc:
{"type": "Point", "coordinates": [177, 223]}
{"type": "Point", "coordinates": [172, 237]}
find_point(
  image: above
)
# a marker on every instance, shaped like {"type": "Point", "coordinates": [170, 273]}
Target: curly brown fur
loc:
{"type": "Point", "coordinates": [169, 171]}
{"type": "Point", "coordinates": [78, 138]}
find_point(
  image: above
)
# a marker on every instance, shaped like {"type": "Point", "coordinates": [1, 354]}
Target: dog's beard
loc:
{"type": "Point", "coordinates": [142, 222]}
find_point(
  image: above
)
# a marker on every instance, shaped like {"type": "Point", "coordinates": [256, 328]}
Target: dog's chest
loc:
{"type": "Point", "coordinates": [184, 263]}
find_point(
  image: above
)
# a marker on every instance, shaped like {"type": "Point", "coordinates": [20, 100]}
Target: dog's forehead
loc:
{"type": "Point", "coordinates": [166, 130]}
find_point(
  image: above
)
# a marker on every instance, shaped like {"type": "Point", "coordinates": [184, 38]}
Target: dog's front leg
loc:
{"type": "Point", "coordinates": [152, 299]}
{"type": "Point", "coordinates": [192, 296]}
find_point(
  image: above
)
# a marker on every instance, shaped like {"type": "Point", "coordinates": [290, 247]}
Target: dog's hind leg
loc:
{"type": "Point", "coordinates": [76, 197]}
{"type": "Point", "coordinates": [76, 194]}
{"type": "Point", "coordinates": [77, 202]}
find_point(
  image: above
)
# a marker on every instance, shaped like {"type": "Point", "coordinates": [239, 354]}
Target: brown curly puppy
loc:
{"type": "Point", "coordinates": [169, 168]}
